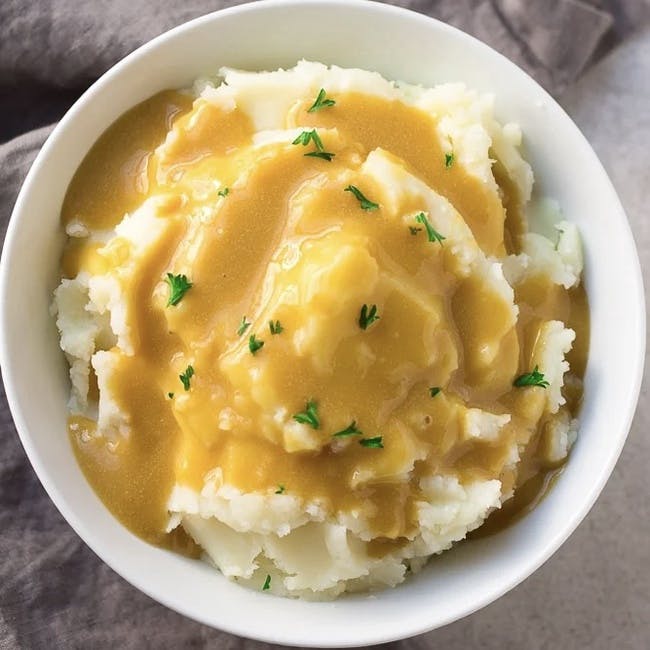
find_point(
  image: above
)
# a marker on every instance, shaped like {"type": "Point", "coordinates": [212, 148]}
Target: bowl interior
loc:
{"type": "Point", "coordinates": [400, 45]}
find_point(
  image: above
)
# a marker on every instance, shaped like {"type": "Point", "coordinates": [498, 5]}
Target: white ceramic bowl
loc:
{"type": "Point", "coordinates": [400, 45]}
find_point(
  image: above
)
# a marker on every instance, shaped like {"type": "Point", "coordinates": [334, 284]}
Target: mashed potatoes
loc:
{"type": "Point", "coordinates": [309, 327]}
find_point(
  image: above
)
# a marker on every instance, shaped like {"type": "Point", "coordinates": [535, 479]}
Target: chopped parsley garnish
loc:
{"type": "Point", "coordinates": [321, 102]}
{"type": "Point", "coordinates": [449, 159]}
{"type": "Point", "coordinates": [367, 316]}
{"type": "Point", "coordinates": [309, 415]}
{"type": "Point", "coordinates": [414, 230]}
{"type": "Point", "coordinates": [350, 430]}
{"type": "Point", "coordinates": [308, 136]}
{"type": "Point", "coordinates": [534, 378]}
{"type": "Point", "coordinates": [178, 287]}
{"type": "Point", "coordinates": [186, 376]}
{"type": "Point", "coordinates": [280, 489]}
{"type": "Point", "coordinates": [325, 155]}
{"type": "Point", "coordinates": [376, 443]}
{"type": "Point", "coordinates": [243, 326]}
{"type": "Point", "coordinates": [255, 344]}
{"type": "Point", "coordinates": [434, 390]}
{"type": "Point", "coordinates": [432, 234]}
{"type": "Point", "coordinates": [224, 192]}
{"type": "Point", "coordinates": [170, 395]}
{"type": "Point", "coordinates": [366, 204]}
{"type": "Point", "coordinates": [312, 136]}
{"type": "Point", "coordinates": [267, 583]}
{"type": "Point", "coordinates": [275, 327]}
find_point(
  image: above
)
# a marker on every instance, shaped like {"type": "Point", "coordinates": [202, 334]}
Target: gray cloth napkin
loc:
{"type": "Point", "coordinates": [54, 592]}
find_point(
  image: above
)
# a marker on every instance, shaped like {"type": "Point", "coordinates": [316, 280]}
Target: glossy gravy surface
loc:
{"type": "Point", "coordinates": [287, 243]}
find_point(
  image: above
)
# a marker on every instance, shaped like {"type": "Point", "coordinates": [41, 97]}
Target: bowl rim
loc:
{"type": "Point", "coordinates": [49, 482]}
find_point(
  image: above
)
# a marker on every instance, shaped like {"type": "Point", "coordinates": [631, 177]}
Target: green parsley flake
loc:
{"type": "Point", "coordinates": [432, 234]}
{"type": "Point", "coordinates": [308, 136]}
{"type": "Point", "coordinates": [267, 583]}
{"type": "Point", "coordinates": [224, 192]}
{"type": "Point", "coordinates": [186, 376]}
{"type": "Point", "coordinates": [449, 159]}
{"type": "Point", "coordinates": [170, 395]}
{"type": "Point", "coordinates": [312, 136]}
{"type": "Point", "coordinates": [368, 316]}
{"type": "Point", "coordinates": [375, 443]}
{"type": "Point", "coordinates": [325, 155]}
{"type": "Point", "coordinates": [366, 204]}
{"type": "Point", "coordinates": [414, 230]}
{"type": "Point", "coordinates": [309, 415]}
{"type": "Point", "coordinates": [280, 489]}
{"type": "Point", "coordinates": [350, 430]}
{"type": "Point", "coordinates": [243, 326]}
{"type": "Point", "coordinates": [534, 378]}
{"type": "Point", "coordinates": [255, 344]}
{"type": "Point", "coordinates": [321, 102]}
{"type": "Point", "coordinates": [434, 390]}
{"type": "Point", "coordinates": [275, 327]}
{"type": "Point", "coordinates": [178, 287]}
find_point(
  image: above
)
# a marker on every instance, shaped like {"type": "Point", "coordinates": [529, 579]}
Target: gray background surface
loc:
{"type": "Point", "coordinates": [594, 56]}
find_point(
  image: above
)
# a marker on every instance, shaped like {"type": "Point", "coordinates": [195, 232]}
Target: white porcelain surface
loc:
{"type": "Point", "coordinates": [400, 45]}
